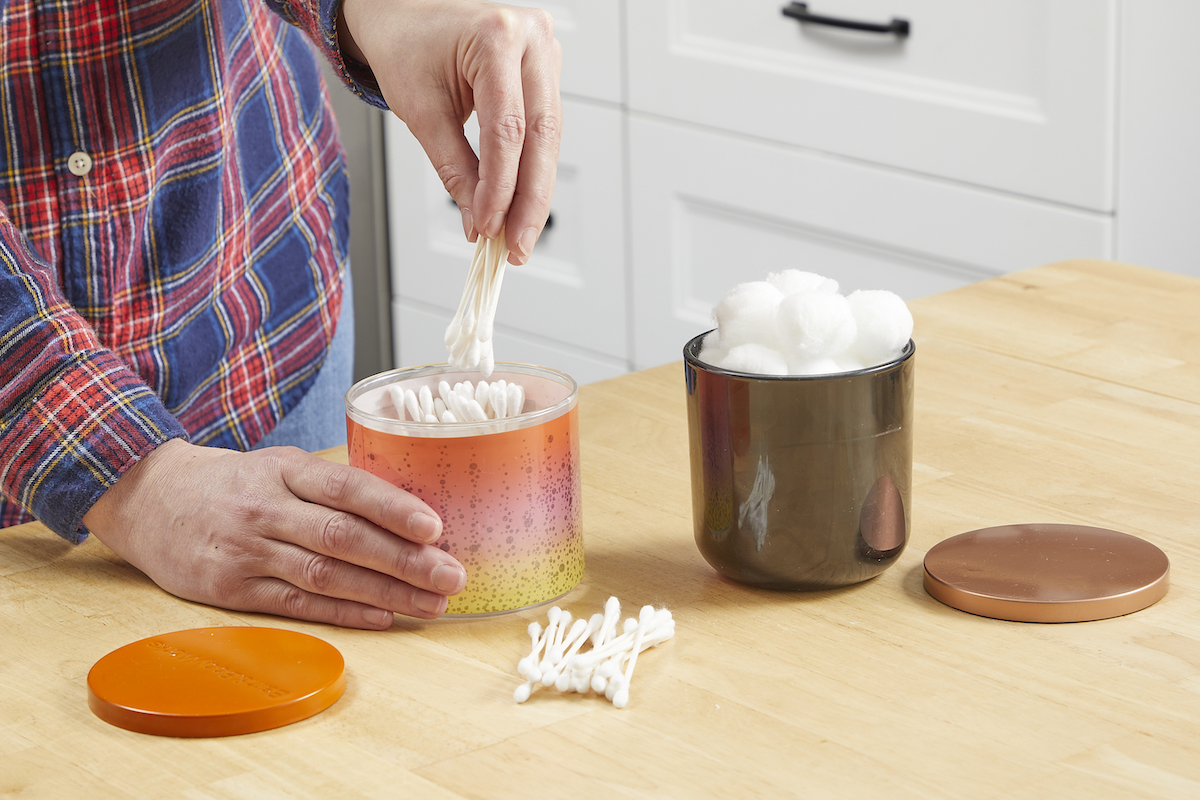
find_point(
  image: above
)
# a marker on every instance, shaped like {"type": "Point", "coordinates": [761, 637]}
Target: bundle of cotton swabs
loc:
{"type": "Point", "coordinates": [469, 335]}
{"type": "Point", "coordinates": [606, 668]}
{"type": "Point", "coordinates": [463, 402]}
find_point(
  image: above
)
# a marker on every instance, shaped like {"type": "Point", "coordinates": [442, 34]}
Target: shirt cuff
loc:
{"type": "Point", "coordinates": [77, 435]}
{"type": "Point", "coordinates": [357, 76]}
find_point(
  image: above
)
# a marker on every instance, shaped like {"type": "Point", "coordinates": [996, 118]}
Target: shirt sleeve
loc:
{"type": "Point", "coordinates": [318, 19]}
{"type": "Point", "coordinates": [73, 416]}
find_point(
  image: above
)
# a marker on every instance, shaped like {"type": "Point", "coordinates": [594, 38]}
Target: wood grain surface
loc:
{"type": "Point", "coordinates": [1066, 393]}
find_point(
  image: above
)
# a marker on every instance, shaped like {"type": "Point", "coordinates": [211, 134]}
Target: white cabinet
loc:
{"type": "Point", "coordinates": [1015, 95]}
{"type": "Point", "coordinates": [709, 142]}
{"type": "Point", "coordinates": [980, 143]}
{"type": "Point", "coordinates": [1158, 160]}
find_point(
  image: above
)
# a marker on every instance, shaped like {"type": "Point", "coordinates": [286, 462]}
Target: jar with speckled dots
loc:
{"type": "Point", "coordinates": [507, 490]}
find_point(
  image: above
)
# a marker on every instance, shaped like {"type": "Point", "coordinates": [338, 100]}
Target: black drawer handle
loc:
{"type": "Point", "coordinates": [799, 11]}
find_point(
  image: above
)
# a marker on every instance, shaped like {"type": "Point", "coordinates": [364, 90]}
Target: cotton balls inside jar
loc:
{"type": "Point", "coordinates": [797, 323]}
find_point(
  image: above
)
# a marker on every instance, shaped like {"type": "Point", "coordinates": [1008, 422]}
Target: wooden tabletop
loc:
{"type": "Point", "coordinates": [1067, 393]}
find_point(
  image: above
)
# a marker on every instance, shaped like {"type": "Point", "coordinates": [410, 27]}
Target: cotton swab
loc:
{"type": "Point", "coordinates": [412, 405]}
{"type": "Point", "coordinates": [465, 401]}
{"type": "Point", "coordinates": [563, 680]}
{"type": "Point", "coordinates": [527, 666]}
{"type": "Point", "coordinates": [608, 667]}
{"type": "Point", "coordinates": [515, 399]}
{"type": "Point", "coordinates": [555, 655]}
{"type": "Point", "coordinates": [620, 698]}
{"type": "Point", "coordinates": [499, 399]}
{"type": "Point", "coordinates": [560, 621]}
{"type": "Point", "coordinates": [468, 337]}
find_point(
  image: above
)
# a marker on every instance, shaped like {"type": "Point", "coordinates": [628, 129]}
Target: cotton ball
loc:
{"type": "Point", "coordinates": [755, 359]}
{"type": "Point", "coordinates": [813, 366]}
{"type": "Point", "coordinates": [884, 325]}
{"type": "Point", "coordinates": [711, 351]}
{"type": "Point", "coordinates": [816, 325]}
{"type": "Point", "coordinates": [794, 281]}
{"type": "Point", "coordinates": [850, 361]}
{"type": "Point", "coordinates": [747, 315]}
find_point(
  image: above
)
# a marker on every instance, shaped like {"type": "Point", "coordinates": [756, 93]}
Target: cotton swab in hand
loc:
{"type": "Point", "coordinates": [468, 337]}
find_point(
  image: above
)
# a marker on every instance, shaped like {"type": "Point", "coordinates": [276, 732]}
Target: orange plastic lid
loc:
{"type": "Point", "coordinates": [1046, 573]}
{"type": "Point", "coordinates": [216, 681]}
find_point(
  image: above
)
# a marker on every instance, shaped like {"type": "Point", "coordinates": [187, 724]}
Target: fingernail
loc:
{"type": "Point", "coordinates": [377, 617]}
{"type": "Point", "coordinates": [468, 222]}
{"type": "Point", "coordinates": [527, 241]}
{"type": "Point", "coordinates": [424, 528]}
{"type": "Point", "coordinates": [449, 578]}
{"type": "Point", "coordinates": [433, 604]}
{"type": "Point", "coordinates": [494, 225]}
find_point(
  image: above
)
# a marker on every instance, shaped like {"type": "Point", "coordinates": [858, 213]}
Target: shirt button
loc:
{"type": "Point", "coordinates": [80, 163]}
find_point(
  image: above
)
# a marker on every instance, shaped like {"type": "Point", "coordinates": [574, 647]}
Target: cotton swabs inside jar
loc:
{"type": "Point", "coordinates": [469, 335]}
{"type": "Point", "coordinates": [463, 402]}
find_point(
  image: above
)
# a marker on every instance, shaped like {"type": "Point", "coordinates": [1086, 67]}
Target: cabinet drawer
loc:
{"type": "Point", "coordinates": [590, 34]}
{"type": "Point", "coordinates": [1016, 95]}
{"type": "Point", "coordinates": [572, 290]}
{"type": "Point", "coordinates": [712, 210]}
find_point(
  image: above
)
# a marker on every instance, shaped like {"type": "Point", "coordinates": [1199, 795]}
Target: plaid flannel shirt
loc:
{"type": "Point", "coordinates": [173, 226]}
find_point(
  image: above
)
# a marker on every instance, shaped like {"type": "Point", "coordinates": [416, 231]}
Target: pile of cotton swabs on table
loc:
{"type": "Point", "coordinates": [464, 402]}
{"type": "Point", "coordinates": [607, 668]}
{"type": "Point", "coordinates": [469, 335]}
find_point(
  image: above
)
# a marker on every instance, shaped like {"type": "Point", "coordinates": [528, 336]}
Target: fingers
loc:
{"type": "Point", "coordinates": [500, 108]}
{"type": "Point", "coordinates": [279, 597]}
{"type": "Point", "coordinates": [536, 176]}
{"type": "Point", "coordinates": [329, 566]}
{"type": "Point", "coordinates": [447, 148]}
{"type": "Point", "coordinates": [357, 492]}
{"type": "Point", "coordinates": [516, 89]}
{"type": "Point", "coordinates": [359, 538]}
{"type": "Point", "coordinates": [340, 554]}
{"type": "Point", "coordinates": [310, 585]}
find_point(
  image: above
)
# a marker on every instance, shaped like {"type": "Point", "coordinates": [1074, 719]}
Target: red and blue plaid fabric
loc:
{"type": "Point", "coordinates": [188, 283]}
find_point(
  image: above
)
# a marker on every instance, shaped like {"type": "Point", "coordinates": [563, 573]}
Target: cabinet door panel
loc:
{"type": "Point", "coordinates": [711, 210]}
{"type": "Point", "coordinates": [572, 291]}
{"type": "Point", "coordinates": [590, 34]}
{"type": "Point", "coordinates": [1011, 94]}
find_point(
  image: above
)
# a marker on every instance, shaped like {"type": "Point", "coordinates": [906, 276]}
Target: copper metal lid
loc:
{"type": "Point", "coordinates": [215, 681]}
{"type": "Point", "coordinates": [1046, 573]}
